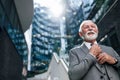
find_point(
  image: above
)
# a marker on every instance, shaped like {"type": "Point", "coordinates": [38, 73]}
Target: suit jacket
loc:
{"type": "Point", "coordinates": [83, 66]}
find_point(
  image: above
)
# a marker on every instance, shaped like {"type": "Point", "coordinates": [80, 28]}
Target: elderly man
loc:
{"type": "Point", "coordinates": [92, 61]}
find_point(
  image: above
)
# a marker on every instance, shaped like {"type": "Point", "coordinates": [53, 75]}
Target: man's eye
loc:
{"type": "Point", "coordinates": [85, 27]}
{"type": "Point", "coordinates": [93, 26]}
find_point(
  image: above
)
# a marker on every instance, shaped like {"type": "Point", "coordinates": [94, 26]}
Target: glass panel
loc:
{"type": "Point", "coordinates": [18, 40]}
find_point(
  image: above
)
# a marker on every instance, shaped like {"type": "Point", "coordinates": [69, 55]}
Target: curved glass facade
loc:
{"type": "Point", "coordinates": [18, 40]}
{"type": "Point", "coordinates": [44, 42]}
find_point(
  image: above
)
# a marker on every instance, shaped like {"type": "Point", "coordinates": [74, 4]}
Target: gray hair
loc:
{"type": "Point", "coordinates": [80, 28]}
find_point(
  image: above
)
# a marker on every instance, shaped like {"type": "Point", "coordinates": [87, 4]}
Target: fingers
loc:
{"type": "Point", "coordinates": [101, 58]}
{"type": "Point", "coordinates": [104, 57]}
{"type": "Point", "coordinates": [95, 50]}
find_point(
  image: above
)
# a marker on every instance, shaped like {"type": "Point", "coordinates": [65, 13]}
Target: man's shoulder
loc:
{"type": "Point", "coordinates": [105, 46]}
{"type": "Point", "coordinates": [76, 47]}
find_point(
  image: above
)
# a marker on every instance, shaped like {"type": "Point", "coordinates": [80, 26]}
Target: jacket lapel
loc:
{"type": "Point", "coordinates": [86, 51]}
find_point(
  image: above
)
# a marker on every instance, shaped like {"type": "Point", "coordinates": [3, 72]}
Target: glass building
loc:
{"type": "Point", "coordinates": [45, 37]}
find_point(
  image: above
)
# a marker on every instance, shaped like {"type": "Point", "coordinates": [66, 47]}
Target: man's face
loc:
{"type": "Point", "coordinates": [89, 31]}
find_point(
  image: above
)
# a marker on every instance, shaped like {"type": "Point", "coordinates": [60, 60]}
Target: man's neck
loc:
{"type": "Point", "coordinates": [93, 41]}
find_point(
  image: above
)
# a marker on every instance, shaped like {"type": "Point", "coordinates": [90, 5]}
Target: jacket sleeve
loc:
{"type": "Point", "coordinates": [79, 66]}
{"type": "Point", "coordinates": [117, 65]}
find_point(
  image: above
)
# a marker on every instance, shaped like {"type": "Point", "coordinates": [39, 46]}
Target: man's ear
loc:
{"type": "Point", "coordinates": [80, 34]}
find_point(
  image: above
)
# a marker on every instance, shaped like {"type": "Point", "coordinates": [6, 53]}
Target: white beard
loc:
{"type": "Point", "coordinates": [93, 37]}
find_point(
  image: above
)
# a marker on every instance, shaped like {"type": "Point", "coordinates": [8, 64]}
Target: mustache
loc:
{"type": "Point", "coordinates": [91, 32]}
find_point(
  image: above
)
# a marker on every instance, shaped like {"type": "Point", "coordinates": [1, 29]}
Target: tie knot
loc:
{"type": "Point", "coordinates": [91, 44]}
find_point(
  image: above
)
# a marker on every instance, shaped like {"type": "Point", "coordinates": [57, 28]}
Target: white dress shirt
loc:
{"type": "Point", "coordinates": [89, 44]}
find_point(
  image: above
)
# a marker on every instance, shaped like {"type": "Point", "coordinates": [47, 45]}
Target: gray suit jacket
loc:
{"type": "Point", "coordinates": [83, 66]}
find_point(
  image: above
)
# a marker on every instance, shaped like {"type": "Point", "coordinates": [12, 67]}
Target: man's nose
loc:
{"type": "Point", "coordinates": [90, 28]}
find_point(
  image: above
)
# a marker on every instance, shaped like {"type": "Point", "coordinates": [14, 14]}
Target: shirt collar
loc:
{"type": "Point", "coordinates": [89, 44]}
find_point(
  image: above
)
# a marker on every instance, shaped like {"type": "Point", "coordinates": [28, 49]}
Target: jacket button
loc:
{"type": "Point", "coordinates": [101, 77]}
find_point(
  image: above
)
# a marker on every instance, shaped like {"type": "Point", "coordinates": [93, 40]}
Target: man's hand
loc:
{"type": "Point", "coordinates": [95, 50]}
{"type": "Point", "coordinates": [104, 57]}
